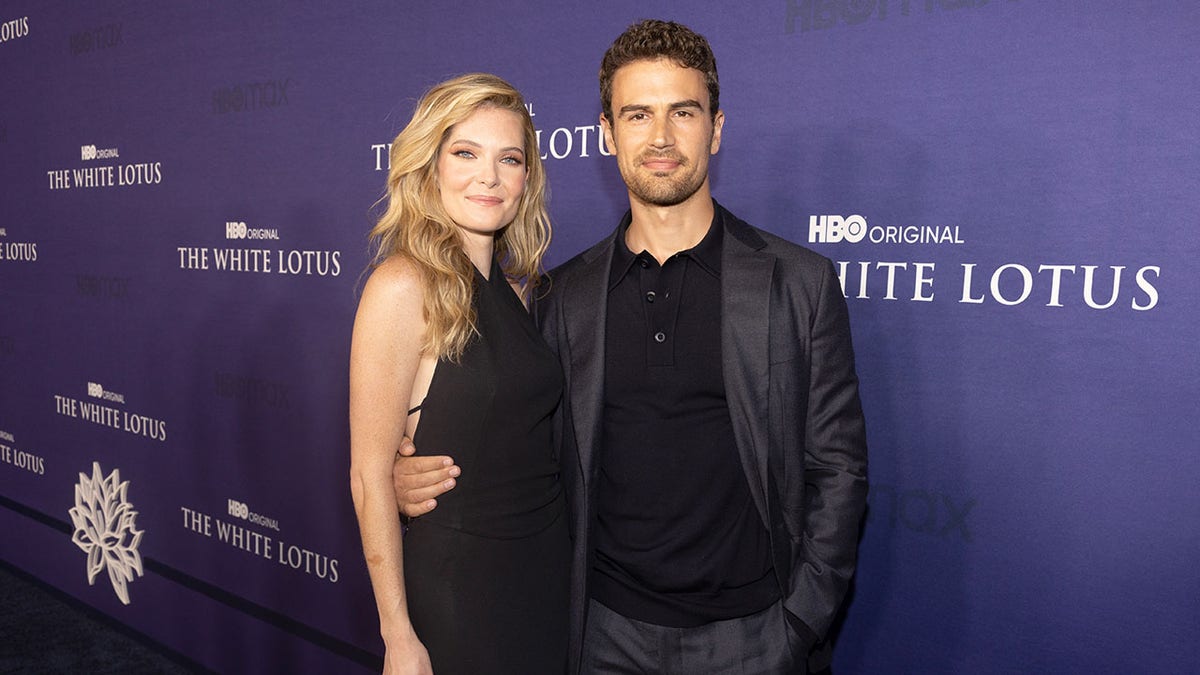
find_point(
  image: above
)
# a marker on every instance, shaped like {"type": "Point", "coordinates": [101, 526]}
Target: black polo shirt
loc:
{"type": "Point", "coordinates": [678, 539]}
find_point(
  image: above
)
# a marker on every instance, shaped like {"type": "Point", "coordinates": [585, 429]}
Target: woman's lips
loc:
{"type": "Point", "coordinates": [485, 200]}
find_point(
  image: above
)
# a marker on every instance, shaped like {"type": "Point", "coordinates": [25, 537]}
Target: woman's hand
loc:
{"type": "Point", "coordinates": [406, 655]}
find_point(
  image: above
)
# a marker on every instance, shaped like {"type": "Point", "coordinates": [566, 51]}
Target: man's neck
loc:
{"type": "Point", "coordinates": [664, 231]}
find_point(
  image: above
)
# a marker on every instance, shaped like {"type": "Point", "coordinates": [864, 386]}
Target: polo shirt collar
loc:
{"type": "Point", "coordinates": [707, 253]}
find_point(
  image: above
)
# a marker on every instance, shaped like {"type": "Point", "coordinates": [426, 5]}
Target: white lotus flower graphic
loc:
{"type": "Point", "coordinates": [104, 529]}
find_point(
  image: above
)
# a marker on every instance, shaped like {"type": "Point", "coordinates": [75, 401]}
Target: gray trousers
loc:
{"type": "Point", "coordinates": [761, 643]}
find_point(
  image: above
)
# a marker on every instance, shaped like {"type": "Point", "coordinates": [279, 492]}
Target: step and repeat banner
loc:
{"type": "Point", "coordinates": [1008, 189]}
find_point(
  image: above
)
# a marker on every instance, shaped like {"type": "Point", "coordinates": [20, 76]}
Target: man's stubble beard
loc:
{"type": "Point", "coordinates": [659, 189]}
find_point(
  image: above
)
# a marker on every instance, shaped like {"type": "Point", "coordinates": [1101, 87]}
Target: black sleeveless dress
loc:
{"type": "Point", "coordinates": [486, 572]}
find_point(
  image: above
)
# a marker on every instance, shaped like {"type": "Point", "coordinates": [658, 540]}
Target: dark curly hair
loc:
{"type": "Point", "coordinates": [653, 39]}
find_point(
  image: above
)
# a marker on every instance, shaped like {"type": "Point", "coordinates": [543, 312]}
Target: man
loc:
{"type": "Point", "coordinates": [711, 436]}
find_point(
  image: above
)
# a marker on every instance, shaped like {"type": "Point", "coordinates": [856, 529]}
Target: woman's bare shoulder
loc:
{"type": "Point", "coordinates": [396, 274]}
{"type": "Point", "coordinates": [394, 289]}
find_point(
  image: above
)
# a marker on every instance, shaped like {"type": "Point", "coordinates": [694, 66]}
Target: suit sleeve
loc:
{"type": "Point", "coordinates": [546, 314]}
{"type": "Point", "coordinates": [835, 464]}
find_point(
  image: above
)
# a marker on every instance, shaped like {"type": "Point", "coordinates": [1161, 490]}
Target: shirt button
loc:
{"type": "Point", "coordinates": [643, 262]}
{"type": "Point", "coordinates": [649, 296]}
{"type": "Point", "coordinates": [660, 336]}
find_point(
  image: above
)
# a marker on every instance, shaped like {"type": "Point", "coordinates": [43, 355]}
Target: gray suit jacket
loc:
{"type": "Point", "coordinates": [793, 399]}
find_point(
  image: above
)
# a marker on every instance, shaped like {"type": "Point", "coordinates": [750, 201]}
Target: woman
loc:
{"type": "Point", "coordinates": [444, 350]}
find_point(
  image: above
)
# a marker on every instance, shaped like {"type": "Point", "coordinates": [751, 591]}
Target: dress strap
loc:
{"type": "Point", "coordinates": [416, 408]}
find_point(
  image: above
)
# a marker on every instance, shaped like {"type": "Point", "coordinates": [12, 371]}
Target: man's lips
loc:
{"type": "Point", "coordinates": [661, 163]}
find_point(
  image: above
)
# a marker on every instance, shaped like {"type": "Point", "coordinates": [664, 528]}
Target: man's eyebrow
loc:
{"type": "Point", "coordinates": [677, 105]}
{"type": "Point", "coordinates": [637, 107]}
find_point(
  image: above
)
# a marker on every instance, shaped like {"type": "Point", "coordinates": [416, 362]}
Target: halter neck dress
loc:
{"type": "Point", "coordinates": [486, 572]}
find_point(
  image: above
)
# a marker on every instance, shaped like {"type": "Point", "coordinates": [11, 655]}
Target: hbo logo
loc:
{"type": "Point", "coordinates": [87, 152]}
{"type": "Point", "coordinates": [235, 230]}
{"type": "Point", "coordinates": [95, 390]}
{"type": "Point", "coordinates": [832, 229]}
{"type": "Point", "coordinates": [238, 509]}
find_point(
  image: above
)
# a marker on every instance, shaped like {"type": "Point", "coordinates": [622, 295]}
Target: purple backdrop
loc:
{"type": "Point", "coordinates": [1009, 188]}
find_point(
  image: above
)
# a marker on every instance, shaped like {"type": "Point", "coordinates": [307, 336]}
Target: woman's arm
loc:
{"type": "Point", "coordinates": [385, 352]}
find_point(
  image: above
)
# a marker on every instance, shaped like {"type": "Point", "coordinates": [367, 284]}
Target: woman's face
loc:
{"type": "Point", "coordinates": [481, 171]}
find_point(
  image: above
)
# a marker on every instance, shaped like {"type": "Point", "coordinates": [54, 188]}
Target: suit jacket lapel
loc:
{"type": "Point", "coordinates": [746, 274]}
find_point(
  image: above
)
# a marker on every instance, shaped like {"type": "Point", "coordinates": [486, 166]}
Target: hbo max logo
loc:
{"type": "Point", "coordinates": [833, 229]}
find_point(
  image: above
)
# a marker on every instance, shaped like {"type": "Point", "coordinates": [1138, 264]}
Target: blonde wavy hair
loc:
{"type": "Point", "coordinates": [415, 224]}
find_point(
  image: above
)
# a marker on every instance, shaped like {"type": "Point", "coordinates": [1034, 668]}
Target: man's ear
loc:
{"type": "Point", "coordinates": [718, 124]}
{"type": "Point", "coordinates": [606, 128]}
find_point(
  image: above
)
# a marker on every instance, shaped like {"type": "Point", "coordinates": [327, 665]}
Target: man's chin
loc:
{"type": "Point", "coordinates": [672, 197]}
{"type": "Point", "coordinates": [652, 188]}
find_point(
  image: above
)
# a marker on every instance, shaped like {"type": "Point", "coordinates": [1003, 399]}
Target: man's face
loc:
{"type": "Point", "coordinates": [661, 131]}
